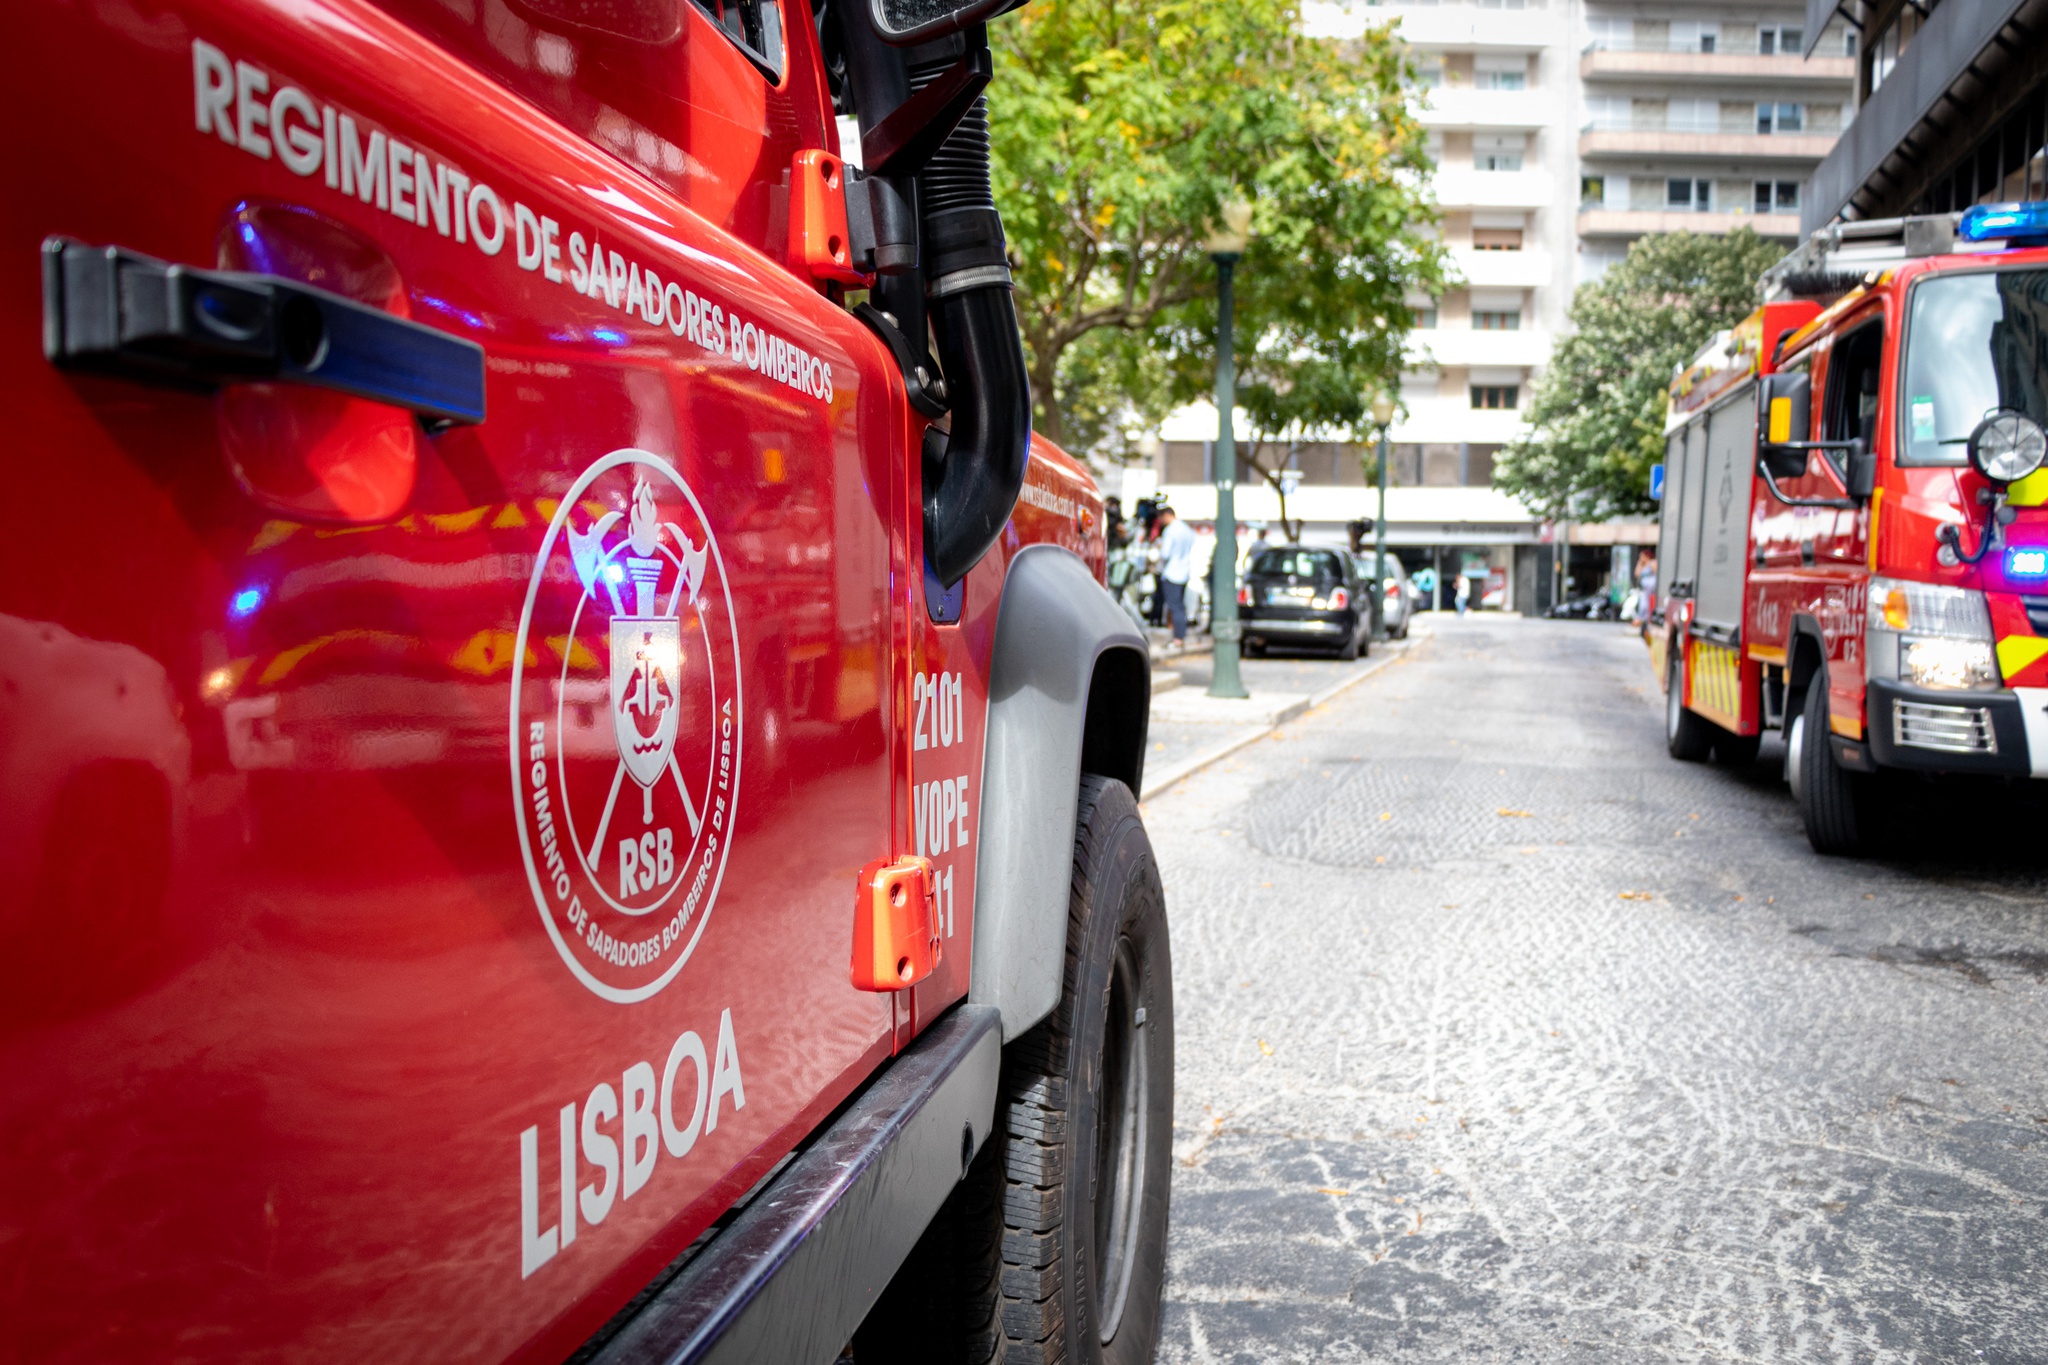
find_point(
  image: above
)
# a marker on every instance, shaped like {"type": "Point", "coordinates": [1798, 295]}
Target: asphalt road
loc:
{"type": "Point", "coordinates": [1504, 1037]}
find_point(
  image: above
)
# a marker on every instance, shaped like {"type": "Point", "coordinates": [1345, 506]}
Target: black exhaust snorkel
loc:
{"type": "Point", "coordinates": [939, 254]}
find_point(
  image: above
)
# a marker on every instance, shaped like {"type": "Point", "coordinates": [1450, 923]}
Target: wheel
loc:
{"type": "Point", "coordinates": [1736, 751]}
{"type": "Point", "coordinates": [1255, 648]}
{"type": "Point", "coordinates": [1833, 802]}
{"type": "Point", "coordinates": [1053, 1247]}
{"type": "Point", "coordinates": [1686, 735]}
{"type": "Point", "coordinates": [1402, 633]}
{"type": "Point", "coordinates": [1349, 653]}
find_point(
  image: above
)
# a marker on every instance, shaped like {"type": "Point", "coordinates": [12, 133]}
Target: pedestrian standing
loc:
{"type": "Point", "coordinates": [1176, 565]}
{"type": "Point", "coordinates": [1464, 593]}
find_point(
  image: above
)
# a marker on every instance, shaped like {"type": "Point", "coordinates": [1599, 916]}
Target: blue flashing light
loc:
{"type": "Point", "coordinates": [611, 336]}
{"type": "Point", "coordinates": [1989, 222]}
{"type": "Point", "coordinates": [2026, 561]}
{"type": "Point", "coordinates": [245, 602]}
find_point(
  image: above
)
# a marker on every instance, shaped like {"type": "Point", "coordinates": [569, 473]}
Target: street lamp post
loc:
{"type": "Point", "coordinates": [1226, 244]}
{"type": "Point", "coordinates": [1383, 417]}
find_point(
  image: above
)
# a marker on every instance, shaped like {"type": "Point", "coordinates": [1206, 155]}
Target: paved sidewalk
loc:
{"type": "Point", "coordinates": [1190, 729]}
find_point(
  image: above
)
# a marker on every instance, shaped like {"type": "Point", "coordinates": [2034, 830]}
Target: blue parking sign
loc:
{"type": "Point", "coordinates": [1657, 482]}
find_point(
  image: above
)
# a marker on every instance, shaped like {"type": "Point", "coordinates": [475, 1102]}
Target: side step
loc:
{"type": "Point", "coordinates": [805, 1260]}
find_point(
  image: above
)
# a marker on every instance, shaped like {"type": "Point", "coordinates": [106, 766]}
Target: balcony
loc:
{"type": "Point", "coordinates": [1462, 346]}
{"type": "Point", "coordinates": [1462, 187]}
{"type": "Point", "coordinates": [1464, 27]}
{"type": "Point", "coordinates": [1638, 223]}
{"type": "Point", "coordinates": [1461, 106]}
{"type": "Point", "coordinates": [1503, 269]}
{"type": "Point", "coordinates": [1669, 146]}
{"type": "Point", "coordinates": [1440, 421]}
{"type": "Point", "coordinates": [1610, 63]}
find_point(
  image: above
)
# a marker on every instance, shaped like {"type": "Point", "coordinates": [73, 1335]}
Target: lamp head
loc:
{"type": "Point", "coordinates": [1230, 237]}
{"type": "Point", "coordinates": [1383, 409]}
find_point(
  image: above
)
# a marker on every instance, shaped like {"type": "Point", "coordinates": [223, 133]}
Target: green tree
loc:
{"type": "Point", "coordinates": [1597, 416]}
{"type": "Point", "coordinates": [1120, 129]}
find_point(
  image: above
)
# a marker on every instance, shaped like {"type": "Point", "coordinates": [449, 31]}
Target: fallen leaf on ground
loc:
{"type": "Point", "coordinates": [1265, 1047]}
{"type": "Point", "coordinates": [1326, 1189]}
{"type": "Point", "coordinates": [1513, 814]}
{"type": "Point", "coordinates": [1637, 895]}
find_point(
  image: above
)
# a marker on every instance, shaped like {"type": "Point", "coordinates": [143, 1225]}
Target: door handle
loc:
{"type": "Point", "coordinates": [118, 312]}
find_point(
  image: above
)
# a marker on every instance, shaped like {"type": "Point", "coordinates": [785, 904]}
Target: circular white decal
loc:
{"type": "Point", "coordinates": [626, 724]}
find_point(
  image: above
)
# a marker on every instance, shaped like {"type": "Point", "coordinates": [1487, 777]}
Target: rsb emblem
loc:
{"type": "Point", "coordinates": [626, 725]}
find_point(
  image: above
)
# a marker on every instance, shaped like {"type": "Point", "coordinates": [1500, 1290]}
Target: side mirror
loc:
{"type": "Point", "coordinates": [1862, 472]}
{"type": "Point", "coordinates": [1784, 415]}
{"type": "Point", "coordinates": [905, 23]}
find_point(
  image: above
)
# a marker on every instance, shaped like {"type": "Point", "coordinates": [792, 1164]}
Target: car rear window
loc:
{"type": "Point", "coordinates": [1318, 564]}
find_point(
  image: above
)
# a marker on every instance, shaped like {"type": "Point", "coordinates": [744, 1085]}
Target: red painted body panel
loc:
{"type": "Point", "coordinates": [1814, 563]}
{"type": "Point", "coordinates": [287, 1039]}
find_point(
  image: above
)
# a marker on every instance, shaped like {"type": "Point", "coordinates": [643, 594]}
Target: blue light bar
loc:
{"type": "Point", "coordinates": [2026, 561]}
{"type": "Point", "coordinates": [1988, 222]}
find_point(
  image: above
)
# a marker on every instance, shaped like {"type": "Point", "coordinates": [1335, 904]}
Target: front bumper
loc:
{"type": "Point", "coordinates": [1933, 730]}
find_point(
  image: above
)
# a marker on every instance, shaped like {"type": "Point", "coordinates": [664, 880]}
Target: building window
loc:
{"type": "Point", "coordinates": [1775, 40]}
{"type": "Point", "coordinates": [1501, 80]}
{"type": "Point", "coordinates": [1497, 322]}
{"type": "Point", "coordinates": [1592, 191]}
{"type": "Point", "coordinates": [1687, 36]}
{"type": "Point", "coordinates": [1688, 195]}
{"type": "Point", "coordinates": [1425, 319]}
{"type": "Point", "coordinates": [1496, 160]}
{"type": "Point", "coordinates": [1496, 239]}
{"type": "Point", "coordinates": [1494, 396]}
{"type": "Point", "coordinates": [1777, 196]}
{"type": "Point", "coordinates": [1780, 118]}
{"type": "Point", "coordinates": [1429, 75]}
{"type": "Point", "coordinates": [1692, 116]}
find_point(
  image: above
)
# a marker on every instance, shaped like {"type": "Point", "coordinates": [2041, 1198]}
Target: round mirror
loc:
{"type": "Point", "coordinates": [2007, 446]}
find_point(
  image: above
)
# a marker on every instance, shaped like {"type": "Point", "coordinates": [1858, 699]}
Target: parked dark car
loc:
{"type": "Point", "coordinates": [1302, 597]}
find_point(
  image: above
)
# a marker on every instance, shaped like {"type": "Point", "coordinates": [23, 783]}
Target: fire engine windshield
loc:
{"type": "Point", "coordinates": [1974, 344]}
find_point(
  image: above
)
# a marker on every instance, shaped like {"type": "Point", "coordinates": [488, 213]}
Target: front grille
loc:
{"type": "Point", "coordinates": [1949, 729]}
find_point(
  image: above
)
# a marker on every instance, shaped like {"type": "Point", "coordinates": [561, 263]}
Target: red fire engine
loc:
{"type": "Point", "coordinates": [1854, 538]}
{"type": "Point", "coordinates": [570, 779]}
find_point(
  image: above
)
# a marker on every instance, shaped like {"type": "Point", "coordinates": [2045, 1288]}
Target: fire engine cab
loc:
{"type": "Point", "coordinates": [570, 777]}
{"type": "Point", "coordinates": [1854, 534]}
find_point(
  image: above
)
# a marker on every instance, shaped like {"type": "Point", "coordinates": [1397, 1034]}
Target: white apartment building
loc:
{"type": "Point", "coordinates": [1561, 131]}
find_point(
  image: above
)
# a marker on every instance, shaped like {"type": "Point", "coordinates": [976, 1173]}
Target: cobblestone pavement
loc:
{"type": "Point", "coordinates": [1504, 1037]}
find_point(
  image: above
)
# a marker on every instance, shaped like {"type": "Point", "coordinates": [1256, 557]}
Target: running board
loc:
{"type": "Point", "coordinates": [795, 1273]}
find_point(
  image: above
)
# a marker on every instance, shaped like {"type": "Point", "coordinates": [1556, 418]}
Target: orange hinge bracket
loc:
{"type": "Point", "coordinates": [818, 240]}
{"type": "Point", "coordinates": [895, 925]}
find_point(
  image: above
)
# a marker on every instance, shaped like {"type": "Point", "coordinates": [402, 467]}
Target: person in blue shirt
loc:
{"type": "Point", "coordinates": [1176, 566]}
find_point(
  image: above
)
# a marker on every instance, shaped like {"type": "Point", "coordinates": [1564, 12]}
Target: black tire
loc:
{"type": "Point", "coordinates": [1059, 1227]}
{"type": "Point", "coordinates": [1833, 802]}
{"type": "Point", "coordinates": [1736, 751]}
{"type": "Point", "coordinates": [1350, 652]}
{"type": "Point", "coordinates": [1255, 648]}
{"type": "Point", "coordinates": [1687, 735]}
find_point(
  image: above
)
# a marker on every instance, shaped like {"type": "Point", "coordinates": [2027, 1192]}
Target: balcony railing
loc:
{"type": "Point", "coordinates": [1627, 122]}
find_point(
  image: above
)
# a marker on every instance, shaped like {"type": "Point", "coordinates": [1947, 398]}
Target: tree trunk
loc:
{"type": "Point", "coordinates": [1045, 396]}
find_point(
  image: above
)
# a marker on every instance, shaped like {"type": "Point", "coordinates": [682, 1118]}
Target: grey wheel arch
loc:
{"type": "Point", "coordinates": [1807, 659]}
{"type": "Point", "coordinates": [1070, 690]}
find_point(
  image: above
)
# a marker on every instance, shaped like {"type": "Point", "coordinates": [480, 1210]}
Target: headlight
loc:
{"type": "Point", "coordinates": [1929, 635]}
{"type": "Point", "coordinates": [1946, 663]}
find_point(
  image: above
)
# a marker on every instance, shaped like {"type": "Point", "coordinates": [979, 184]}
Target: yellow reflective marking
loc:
{"type": "Point", "coordinates": [2016, 652]}
{"type": "Point", "coordinates": [2032, 491]}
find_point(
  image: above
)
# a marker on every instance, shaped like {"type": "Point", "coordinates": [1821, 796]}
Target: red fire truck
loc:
{"type": "Point", "coordinates": [570, 777]}
{"type": "Point", "coordinates": [1854, 537]}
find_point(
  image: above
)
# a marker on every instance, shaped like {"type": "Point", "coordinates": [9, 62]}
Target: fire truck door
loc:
{"type": "Point", "coordinates": [435, 842]}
